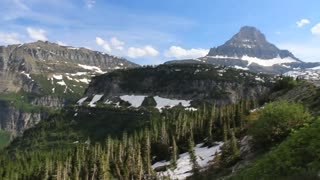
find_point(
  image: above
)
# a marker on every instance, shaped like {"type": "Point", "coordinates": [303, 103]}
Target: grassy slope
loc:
{"type": "Point", "coordinates": [296, 158]}
{"type": "Point", "coordinates": [4, 138]}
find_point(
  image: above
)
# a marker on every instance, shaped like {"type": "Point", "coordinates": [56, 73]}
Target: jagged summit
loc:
{"type": "Point", "coordinates": [249, 49]}
{"type": "Point", "coordinates": [248, 34]}
{"type": "Point", "coordinates": [249, 41]}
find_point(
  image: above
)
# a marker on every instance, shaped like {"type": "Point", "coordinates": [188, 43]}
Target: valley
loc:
{"type": "Point", "coordinates": [246, 110]}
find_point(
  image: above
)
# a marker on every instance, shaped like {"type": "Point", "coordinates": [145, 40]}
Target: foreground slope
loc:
{"type": "Point", "coordinates": [117, 140]}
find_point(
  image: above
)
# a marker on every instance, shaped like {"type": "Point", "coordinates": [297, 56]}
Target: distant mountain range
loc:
{"type": "Point", "coordinates": [249, 50]}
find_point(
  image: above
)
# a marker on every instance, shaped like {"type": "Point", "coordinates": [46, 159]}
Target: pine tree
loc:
{"type": "Point", "coordinates": [193, 158]}
{"type": "Point", "coordinates": [174, 153]}
{"type": "Point", "coordinates": [147, 152]}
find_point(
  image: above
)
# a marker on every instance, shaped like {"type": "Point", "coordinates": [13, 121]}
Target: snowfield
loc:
{"type": "Point", "coordinates": [261, 62]}
{"type": "Point", "coordinates": [136, 101]}
{"type": "Point", "coordinates": [57, 77]}
{"type": "Point", "coordinates": [184, 167]}
{"type": "Point", "coordinates": [95, 99]}
{"type": "Point", "coordinates": [91, 68]}
{"type": "Point", "coordinates": [82, 100]}
{"type": "Point", "coordinates": [310, 74]}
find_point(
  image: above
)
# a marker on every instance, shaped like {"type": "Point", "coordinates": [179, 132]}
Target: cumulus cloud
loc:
{"type": "Point", "coordinates": [37, 34]}
{"type": "Point", "coordinates": [107, 47]}
{"type": "Point", "coordinates": [9, 38]}
{"type": "Point", "coordinates": [304, 51]}
{"type": "Point", "coordinates": [103, 44]}
{"type": "Point", "coordinates": [117, 46]}
{"type": "Point", "coordinates": [90, 3]}
{"type": "Point", "coordinates": [134, 52]}
{"type": "Point", "coordinates": [302, 22]}
{"type": "Point", "coordinates": [316, 29]}
{"type": "Point", "coordinates": [99, 41]}
{"type": "Point", "coordinates": [179, 52]}
{"type": "Point", "coordinates": [116, 43]}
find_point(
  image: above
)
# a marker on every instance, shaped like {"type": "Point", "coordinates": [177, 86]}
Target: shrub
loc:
{"type": "Point", "coordinates": [276, 121]}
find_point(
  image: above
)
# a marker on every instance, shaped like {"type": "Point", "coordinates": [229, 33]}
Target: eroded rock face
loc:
{"type": "Point", "coordinates": [15, 120]}
{"type": "Point", "coordinates": [181, 82]}
{"type": "Point", "coordinates": [251, 42]}
{"type": "Point", "coordinates": [42, 60]}
{"type": "Point", "coordinates": [45, 57]}
{"type": "Point", "coordinates": [49, 101]}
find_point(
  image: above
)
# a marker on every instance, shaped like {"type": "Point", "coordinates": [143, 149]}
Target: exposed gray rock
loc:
{"type": "Point", "coordinates": [15, 120]}
{"type": "Point", "coordinates": [43, 59]}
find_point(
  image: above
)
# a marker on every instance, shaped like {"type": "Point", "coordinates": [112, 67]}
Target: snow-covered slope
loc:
{"type": "Point", "coordinates": [136, 101]}
{"type": "Point", "coordinates": [308, 74]}
{"type": "Point", "coordinates": [262, 62]}
{"type": "Point", "coordinates": [204, 155]}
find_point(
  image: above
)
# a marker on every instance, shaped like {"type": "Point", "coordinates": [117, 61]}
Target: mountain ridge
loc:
{"type": "Point", "coordinates": [44, 76]}
{"type": "Point", "coordinates": [249, 50]}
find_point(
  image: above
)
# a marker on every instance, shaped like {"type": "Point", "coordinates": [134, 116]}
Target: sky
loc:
{"type": "Point", "coordinates": [155, 31]}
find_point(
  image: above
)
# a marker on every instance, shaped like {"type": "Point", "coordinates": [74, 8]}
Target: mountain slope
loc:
{"type": "Point", "coordinates": [81, 137]}
{"type": "Point", "coordinates": [182, 81]}
{"type": "Point", "coordinates": [41, 77]}
{"type": "Point", "coordinates": [250, 50]}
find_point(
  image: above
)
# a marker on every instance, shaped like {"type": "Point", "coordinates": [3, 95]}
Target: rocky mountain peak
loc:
{"type": "Point", "coordinates": [248, 35]}
{"type": "Point", "coordinates": [249, 41]}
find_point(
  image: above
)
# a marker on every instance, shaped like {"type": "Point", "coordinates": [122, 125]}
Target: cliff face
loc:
{"type": "Point", "coordinates": [188, 81]}
{"type": "Point", "coordinates": [46, 75]}
{"type": "Point", "coordinates": [16, 120]}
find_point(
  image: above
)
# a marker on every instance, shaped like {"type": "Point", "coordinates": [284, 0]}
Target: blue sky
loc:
{"type": "Point", "coordinates": [153, 31]}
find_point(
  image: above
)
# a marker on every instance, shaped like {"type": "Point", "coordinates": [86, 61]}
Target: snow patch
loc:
{"type": "Point", "coordinates": [62, 83]}
{"type": "Point", "coordinates": [242, 68]}
{"type": "Point", "coordinates": [261, 62]}
{"type": "Point", "coordinates": [79, 74]}
{"type": "Point", "coordinates": [163, 102]}
{"type": "Point", "coordinates": [85, 80]}
{"type": "Point", "coordinates": [184, 167]}
{"type": "Point", "coordinates": [136, 101]}
{"type": "Point", "coordinates": [58, 77]}
{"type": "Point", "coordinates": [91, 68]}
{"type": "Point", "coordinates": [82, 100]}
{"type": "Point", "coordinates": [95, 99]}
{"type": "Point", "coordinates": [28, 75]}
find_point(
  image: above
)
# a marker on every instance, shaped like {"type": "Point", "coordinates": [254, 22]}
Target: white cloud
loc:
{"type": "Point", "coordinates": [107, 47]}
{"type": "Point", "coordinates": [90, 3]}
{"type": "Point", "coordinates": [115, 42]}
{"type": "Point", "coordinates": [103, 44]}
{"type": "Point", "coordinates": [99, 41]}
{"type": "Point", "coordinates": [151, 51]}
{"type": "Point", "coordinates": [134, 52]}
{"type": "Point", "coordinates": [305, 52]}
{"type": "Point", "coordinates": [9, 38]}
{"type": "Point", "coordinates": [316, 29]}
{"type": "Point", "coordinates": [302, 22]}
{"type": "Point", "coordinates": [179, 52]}
{"type": "Point", "coordinates": [37, 34]}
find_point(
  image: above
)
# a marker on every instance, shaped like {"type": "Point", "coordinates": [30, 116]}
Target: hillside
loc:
{"type": "Point", "coordinates": [182, 81]}
{"type": "Point", "coordinates": [39, 78]}
{"type": "Point", "coordinates": [144, 129]}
